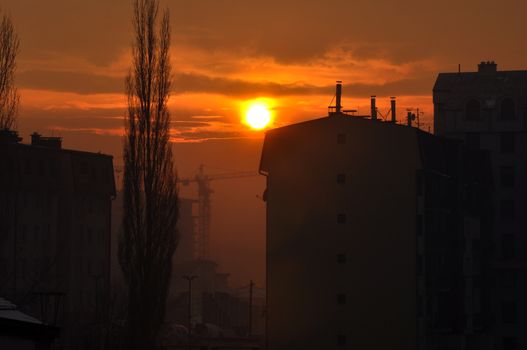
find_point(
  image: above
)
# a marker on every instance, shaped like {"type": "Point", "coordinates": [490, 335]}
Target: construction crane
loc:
{"type": "Point", "coordinates": [204, 211]}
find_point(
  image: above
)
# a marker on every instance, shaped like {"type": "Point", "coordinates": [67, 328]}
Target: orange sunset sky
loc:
{"type": "Point", "coordinates": [75, 54]}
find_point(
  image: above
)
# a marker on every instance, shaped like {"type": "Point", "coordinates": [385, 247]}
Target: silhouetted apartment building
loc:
{"type": "Point", "coordinates": [488, 110]}
{"type": "Point", "coordinates": [365, 235]}
{"type": "Point", "coordinates": [55, 223]}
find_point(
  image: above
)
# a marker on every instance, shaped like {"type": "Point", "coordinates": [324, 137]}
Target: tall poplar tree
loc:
{"type": "Point", "coordinates": [9, 98]}
{"type": "Point", "coordinates": [149, 236]}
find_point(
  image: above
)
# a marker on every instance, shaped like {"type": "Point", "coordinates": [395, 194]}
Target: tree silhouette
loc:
{"type": "Point", "coordinates": [150, 209]}
{"type": "Point", "coordinates": [9, 98]}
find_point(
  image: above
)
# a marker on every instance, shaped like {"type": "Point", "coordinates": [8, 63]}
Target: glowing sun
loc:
{"type": "Point", "coordinates": [258, 115]}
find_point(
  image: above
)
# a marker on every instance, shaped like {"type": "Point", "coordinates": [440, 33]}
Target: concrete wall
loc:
{"type": "Point", "coordinates": [304, 237]}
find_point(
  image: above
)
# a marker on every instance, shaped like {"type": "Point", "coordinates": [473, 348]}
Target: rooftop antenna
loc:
{"type": "Point", "coordinates": [373, 108]}
{"type": "Point", "coordinates": [338, 107]}
{"type": "Point", "coordinates": [410, 117]}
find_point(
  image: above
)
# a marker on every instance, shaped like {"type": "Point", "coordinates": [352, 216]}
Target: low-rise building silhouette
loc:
{"type": "Point", "coordinates": [55, 223]}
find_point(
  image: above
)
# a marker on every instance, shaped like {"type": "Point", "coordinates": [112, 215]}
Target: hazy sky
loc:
{"type": "Point", "coordinates": [74, 55]}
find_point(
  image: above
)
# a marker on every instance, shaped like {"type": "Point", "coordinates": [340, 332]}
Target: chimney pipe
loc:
{"type": "Point", "coordinates": [373, 108]}
{"type": "Point", "coordinates": [393, 110]}
{"type": "Point", "coordinates": [338, 105]}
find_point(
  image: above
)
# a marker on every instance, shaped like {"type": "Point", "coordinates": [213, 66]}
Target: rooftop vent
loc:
{"type": "Point", "coordinates": [337, 108]}
{"type": "Point", "coordinates": [487, 67]}
{"type": "Point", "coordinates": [49, 142]}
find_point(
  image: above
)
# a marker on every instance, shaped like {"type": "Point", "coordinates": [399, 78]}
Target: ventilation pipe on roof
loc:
{"type": "Point", "coordinates": [373, 108]}
{"type": "Point", "coordinates": [393, 110]}
{"type": "Point", "coordinates": [338, 105]}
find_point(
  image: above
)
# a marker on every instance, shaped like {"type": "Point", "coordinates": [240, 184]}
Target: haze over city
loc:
{"type": "Point", "coordinates": [275, 175]}
{"type": "Point", "coordinates": [74, 56]}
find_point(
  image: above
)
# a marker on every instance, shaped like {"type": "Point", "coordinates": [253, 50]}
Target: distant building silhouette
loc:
{"type": "Point", "coordinates": [214, 303]}
{"type": "Point", "coordinates": [55, 223]}
{"type": "Point", "coordinates": [487, 109]}
{"type": "Point", "coordinates": [365, 234]}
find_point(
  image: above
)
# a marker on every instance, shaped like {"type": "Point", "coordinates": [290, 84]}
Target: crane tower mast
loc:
{"type": "Point", "coordinates": [204, 205]}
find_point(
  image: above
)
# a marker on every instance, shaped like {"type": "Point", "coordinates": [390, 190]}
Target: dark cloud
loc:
{"type": "Point", "coordinates": [85, 83]}
{"type": "Point", "coordinates": [50, 122]}
{"type": "Point", "coordinates": [302, 30]}
{"type": "Point", "coordinates": [412, 87]}
{"type": "Point", "coordinates": [241, 88]}
{"type": "Point", "coordinates": [188, 124]}
{"type": "Point", "coordinates": [75, 81]}
{"type": "Point", "coordinates": [289, 30]}
{"type": "Point", "coordinates": [204, 135]}
{"type": "Point", "coordinates": [192, 83]}
{"type": "Point", "coordinates": [96, 31]}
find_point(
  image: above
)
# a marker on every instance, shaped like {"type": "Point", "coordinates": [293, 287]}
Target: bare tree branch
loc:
{"type": "Point", "coordinates": [9, 98]}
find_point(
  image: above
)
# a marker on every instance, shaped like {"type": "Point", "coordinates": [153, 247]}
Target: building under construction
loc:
{"type": "Point", "coordinates": [213, 301]}
{"type": "Point", "coordinates": [200, 209]}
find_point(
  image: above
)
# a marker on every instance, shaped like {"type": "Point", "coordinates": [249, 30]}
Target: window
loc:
{"type": "Point", "coordinates": [341, 299]}
{"type": "Point", "coordinates": [507, 176]}
{"type": "Point", "coordinates": [419, 263]}
{"type": "Point", "coordinates": [419, 182]}
{"type": "Point", "coordinates": [81, 235]}
{"type": "Point", "coordinates": [90, 205]}
{"type": "Point", "coordinates": [53, 167]}
{"type": "Point", "coordinates": [507, 210]}
{"type": "Point", "coordinates": [41, 168]}
{"type": "Point", "coordinates": [473, 140]}
{"type": "Point", "coordinates": [341, 179]}
{"type": "Point", "coordinates": [507, 143]}
{"type": "Point", "coordinates": [36, 235]}
{"type": "Point", "coordinates": [23, 269]}
{"type": "Point", "coordinates": [341, 258]}
{"type": "Point", "coordinates": [507, 246]}
{"type": "Point", "coordinates": [508, 109]}
{"type": "Point", "coordinates": [476, 244]}
{"type": "Point", "coordinates": [341, 339]}
{"type": "Point", "coordinates": [89, 235]}
{"type": "Point", "coordinates": [341, 218]}
{"type": "Point", "coordinates": [419, 225]}
{"type": "Point", "coordinates": [508, 312]}
{"type": "Point", "coordinates": [509, 278]}
{"type": "Point", "coordinates": [27, 167]}
{"type": "Point", "coordinates": [477, 281]}
{"type": "Point", "coordinates": [473, 110]}
{"type": "Point", "coordinates": [510, 343]}
{"type": "Point", "coordinates": [341, 139]}
{"type": "Point", "coordinates": [23, 233]}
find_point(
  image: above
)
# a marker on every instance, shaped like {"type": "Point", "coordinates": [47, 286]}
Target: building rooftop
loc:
{"type": "Point", "coordinates": [434, 150]}
{"type": "Point", "coordinates": [45, 163]}
{"type": "Point", "coordinates": [8, 310]}
{"type": "Point", "coordinates": [487, 76]}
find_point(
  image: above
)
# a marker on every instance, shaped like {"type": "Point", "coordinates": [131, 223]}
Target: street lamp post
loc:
{"type": "Point", "coordinates": [189, 279]}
